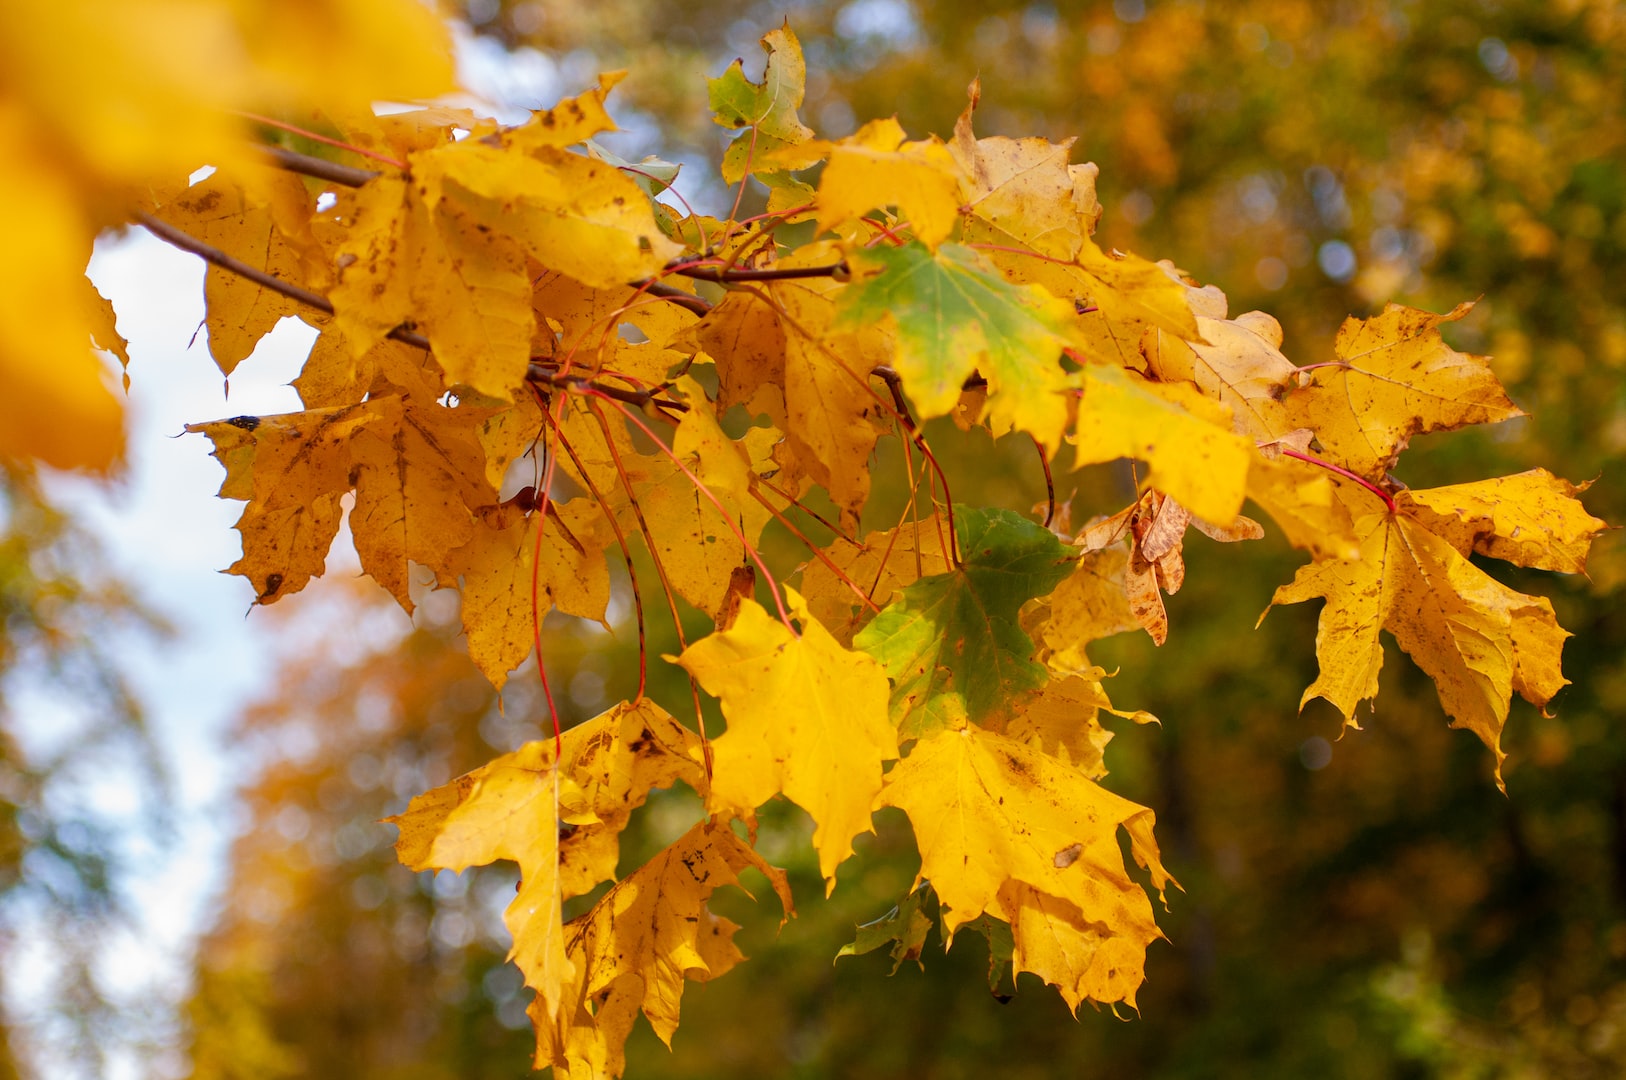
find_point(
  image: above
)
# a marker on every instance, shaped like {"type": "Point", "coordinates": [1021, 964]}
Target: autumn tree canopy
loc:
{"type": "Point", "coordinates": [537, 362]}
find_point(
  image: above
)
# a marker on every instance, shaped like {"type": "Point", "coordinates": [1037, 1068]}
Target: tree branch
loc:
{"type": "Point", "coordinates": [320, 168]}
{"type": "Point", "coordinates": [537, 373]}
{"type": "Point", "coordinates": [721, 274]}
{"type": "Point", "coordinates": [213, 255]}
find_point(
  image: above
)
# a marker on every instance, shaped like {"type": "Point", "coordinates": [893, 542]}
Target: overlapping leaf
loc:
{"type": "Point", "coordinates": [634, 949]}
{"type": "Point", "coordinates": [1003, 828]}
{"type": "Point", "coordinates": [951, 643]}
{"type": "Point", "coordinates": [806, 717]}
{"type": "Point", "coordinates": [954, 316]}
{"type": "Point", "coordinates": [1395, 378]}
{"type": "Point", "coordinates": [1479, 640]}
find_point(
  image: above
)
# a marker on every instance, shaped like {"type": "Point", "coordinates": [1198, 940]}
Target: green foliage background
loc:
{"type": "Point", "coordinates": [1364, 906]}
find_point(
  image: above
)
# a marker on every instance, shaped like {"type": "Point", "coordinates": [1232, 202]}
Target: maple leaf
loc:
{"type": "Point", "coordinates": [1023, 192]}
{"type": "Point", "coordinates": [954, 316]}
{"type": "Point", "coordinates": [904, 928]}
{"type": "Point", "coordinates": [418, 471]}
{"type": "Point", "coordinates": [806, 717]}
{"type": "Point", "coordinates": [1239, 364]}
{"type": "Point", "coordinates": [634, 949]}
{"type": "Point", "coordinates": [1395, 377]}
{"type": "Point", "coordinates": [875, 168]}
{"type": "Point", "coordinates": [990, 813]}
{"type": "Point", "coordinates": [239, 312]}
{"type": "Point", "coordinates": [767, 108]}
{"type": "Point", "coordinates": [616, 759]}
{"type": "Point", "coordinates": [574, 120]}
{"type": "Point", "coordinates": [291, 470]}
{"type": "Point", "coordinates": [1479, 640]}
{"type": "Point", "coordinates": [782, 353]}
{"type": "Point", "coordinates": [884, 563]}
{"type": "Point", "coordinates": [1185, 437]}
{"type": "Point", "coordinates": [495, 568]}
{"type": "Point", "coordinates": [1531, 519]}
{"type": "Point", "coordinates": [507, 809]}
{"type": "Point", "coordinates": [951, 643]}
{"type": "Point", "coordinates": [1089, 604]}
{"type": "Point", "coordinates": [695, 543]}
{"type": "Point", "coordinates": [1062, 720]}
{"type": "Point", "coordinates": [511, 809]}
{"type": "Point", "coordinates": [581, 217]}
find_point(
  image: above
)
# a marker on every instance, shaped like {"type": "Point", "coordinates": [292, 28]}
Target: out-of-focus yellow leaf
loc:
{"type": "Point", "coordinates": [100, 97]}
{"type": "Point", "coordinates": [806, 717]}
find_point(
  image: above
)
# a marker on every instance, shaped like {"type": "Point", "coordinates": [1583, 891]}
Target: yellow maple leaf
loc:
{"type": "Point", "coordinates": [885, 562]}
{"type": "Point", "coordinates": [1241, 366]}
{"type": "Point", "coordinates": [1090, 603]}
{"type": "Point", "coordinates": [990, 812]}
{"type": "Point", "coordinates": [495, 568]}
{"type": "Point", "coordinates": [695, 543]}
{"type": "Point", "coordinates": [238, 312]}
{"type": "Point", "coordinates": [418, 472]}
{"type": "Point", "coordinates": [1531, 519]}
{"type": "Point", "coordinates": [509, 808]}
{"type": "Point", "coordinates": [1395, 377]}
{"type": "Point", "coordinates": [1185, 437]}
{"type": "Point", "coordinates": [1479, 640]}
{"type": "Point", "coordinates": [1082, 959]}
{"type": "Point", "coordinates": [1062, 720]}
{"type": "Point", "coordinates": [615, 759]}
{"type": "Point", "coordinates": [571, 121]}
{"type": "Point", "coordinates": [291, 470]}
{"type": "Point", "coordinates": [634, 949]}
{"type": "Point", "coordinates": [806, 717]}
{"type": "Point", "coordinates": [581, 217]}
{"type": "Point", "coordinates": [1022, 191]}
{"type": "Point", "coordinates": [876, 168]}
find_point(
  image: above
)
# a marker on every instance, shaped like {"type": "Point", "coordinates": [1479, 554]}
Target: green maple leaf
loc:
{"type": "Point", "coordinates": [955, 315]}
{"type": "Point", "coordinates": [951, 643]}
{"type": "Point", "coordinates": [769, 106]}
{"type": "Point", "coordinates": [904, 929]}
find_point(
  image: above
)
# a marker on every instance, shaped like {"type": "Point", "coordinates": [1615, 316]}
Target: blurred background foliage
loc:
{"type": "Point", "coordinates": [1368, 906]}
{"type": "Point", "coordinates": [63, 620]}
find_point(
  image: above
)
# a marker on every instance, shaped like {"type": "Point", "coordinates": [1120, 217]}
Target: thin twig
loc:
{"type": "Point", "coordinates": [1049, 482]}
{"type": "Point", "coordinates": [787, 273]}
{"type": "Point", "coordinates": [818, 552]}
{"type": "Point", "coordinates": [620, 539]}
{"type": "Point", "coordinates": [1388, 500]}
